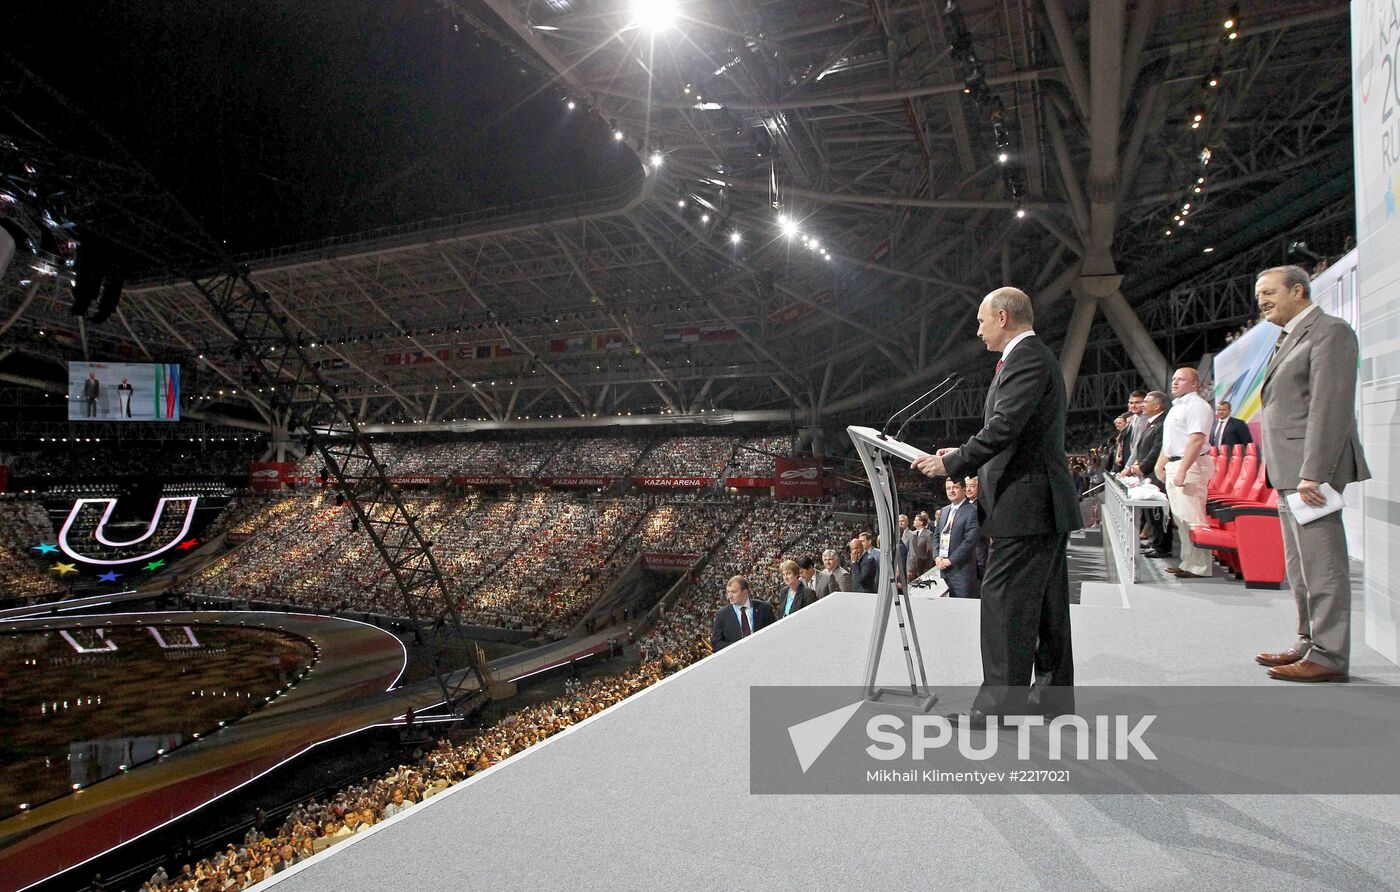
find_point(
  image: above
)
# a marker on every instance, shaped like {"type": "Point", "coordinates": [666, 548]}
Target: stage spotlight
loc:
{"type": "Point", "coordinates": [1233, 17]}
{"type": "Point", "coordinates": [789, 228]}
{"type": "Point", "coordinates": [654, 15]}
{"type": "Point", "coordinates": [735, 237]}
{"type": "Point", "coordinates": [656, 159]}
{"type": "Point", "coordinates": [1002, 158]}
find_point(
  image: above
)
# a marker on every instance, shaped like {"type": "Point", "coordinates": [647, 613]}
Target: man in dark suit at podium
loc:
{"type": "Point", "coordinates": [1031, 505]}
{"type": "Point", "coordinates": [741, 617]}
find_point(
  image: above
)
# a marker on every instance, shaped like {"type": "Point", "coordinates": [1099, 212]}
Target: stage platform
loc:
{"type": "Point", "coordinates": [653, 793]}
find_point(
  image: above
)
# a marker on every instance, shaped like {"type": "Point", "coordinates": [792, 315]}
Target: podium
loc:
{"type": "Point", "coordinates": [875, 450]}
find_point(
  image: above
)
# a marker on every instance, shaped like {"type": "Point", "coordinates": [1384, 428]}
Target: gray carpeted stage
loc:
{"type": "Point", "coordinates": [654, 793]}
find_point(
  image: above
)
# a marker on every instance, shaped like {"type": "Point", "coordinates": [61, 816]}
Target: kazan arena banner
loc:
{"type": "Point", "coordinates": [798, 478]}
{"type": "Point", "coordinates": [672, 482]}
{"type": "Point", "coordinates": [570, 482]}
{"type": "Point", "coordinates": [264, 475]}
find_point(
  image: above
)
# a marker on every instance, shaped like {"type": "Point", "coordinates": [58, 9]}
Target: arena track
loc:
{"type": "Point", "coordinates": [350, 688]}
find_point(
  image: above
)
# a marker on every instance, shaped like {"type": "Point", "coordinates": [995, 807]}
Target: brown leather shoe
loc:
{"type": "Point", "coordinates": [1282, 658]}
{"type": "Point", "coordinates": [1306, 670]}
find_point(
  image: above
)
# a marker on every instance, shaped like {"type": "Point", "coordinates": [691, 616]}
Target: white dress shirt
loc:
{"type": "Point", "coordinates": [1011, 345]}
{"type": "Point", "coordinates": [1189, 415]}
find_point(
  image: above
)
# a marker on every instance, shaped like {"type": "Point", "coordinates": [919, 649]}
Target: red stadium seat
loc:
{"type": "Point", "coordinates": [1222, 467]}
{"type": "Point", "coordinates": [1227, 483]}
{"type": "Point", "coordinates": [1248, 540]}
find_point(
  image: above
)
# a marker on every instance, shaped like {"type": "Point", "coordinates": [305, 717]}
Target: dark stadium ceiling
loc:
{"type": "Point", "coordinates": [821, 205]}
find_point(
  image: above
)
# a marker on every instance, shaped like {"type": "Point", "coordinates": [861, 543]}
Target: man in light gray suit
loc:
{"type": "Point", "coordinates": [1310, 438]}
{"type": "Point", "coordinates": [834, 578]}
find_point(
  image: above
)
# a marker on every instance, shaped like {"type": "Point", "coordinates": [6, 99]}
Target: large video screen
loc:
{"type": "Point", "coordinates": [123, 391]}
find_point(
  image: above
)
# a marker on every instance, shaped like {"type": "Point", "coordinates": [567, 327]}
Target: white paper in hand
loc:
{"type": "Point", "coordinates": [1305, 513]}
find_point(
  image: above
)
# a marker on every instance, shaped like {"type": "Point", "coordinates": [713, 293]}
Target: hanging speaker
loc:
{"type": "Point", "coordinates": [110, 296]}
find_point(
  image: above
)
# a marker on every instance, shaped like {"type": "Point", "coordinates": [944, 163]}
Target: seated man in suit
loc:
{"type": "Point", "coordinates": [865, 569]}
{"type": "Point", "coordinates": [958, 532]}
{"type": "Point", "coordinates": [794, 595]}
{"type": "Point", "coordinates": [835, 578]}
{"type": "Point", "coordinates": [741, 617]}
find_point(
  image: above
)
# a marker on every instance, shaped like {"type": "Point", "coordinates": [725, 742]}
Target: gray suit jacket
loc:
{"type": "Point", "coordinates": [825, 583]}
{"type": "Point", "coordinates": [1309, 407]}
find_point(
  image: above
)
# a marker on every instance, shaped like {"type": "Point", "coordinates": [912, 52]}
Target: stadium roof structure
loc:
{"type": "Point", "coordinates": [825, 191]}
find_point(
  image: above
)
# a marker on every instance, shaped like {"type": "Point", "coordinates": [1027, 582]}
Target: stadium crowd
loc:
{"type": "Point", "coordinates": [315, 825]}
{"type": "Point", "coordinates": [23, 523]}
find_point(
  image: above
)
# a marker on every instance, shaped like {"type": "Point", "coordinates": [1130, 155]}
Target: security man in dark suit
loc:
{"type": "Point", "coordinates": [957, 533]}
{"type": "Point", "coordinates": [1019, 457]}
{"type": "Point", "coordinates": [1228, 431]}
{"type": "Point", "coordinates": [741, 617]}
{"type": "Point", "coordinates": [865, 569]}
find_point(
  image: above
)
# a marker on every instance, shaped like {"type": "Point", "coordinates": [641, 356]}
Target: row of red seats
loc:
{"type": "Point", "coordinates": [1242, 526]}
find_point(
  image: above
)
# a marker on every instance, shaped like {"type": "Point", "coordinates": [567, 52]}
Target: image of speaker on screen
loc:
{"type": "Point", "coordinates": [123, 391]}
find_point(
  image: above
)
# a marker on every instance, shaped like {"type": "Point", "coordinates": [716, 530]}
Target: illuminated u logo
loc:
{"type": "Point", "coordinates": [100, 533]}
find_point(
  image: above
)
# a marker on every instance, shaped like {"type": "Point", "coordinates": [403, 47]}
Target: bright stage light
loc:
{"type": "Point", "coordinates": [617, 135]}
{"type": "Point", "coordinates": [656, 159]}
{"type": "Point", "coordinates": [704, 218]}
{"type": "Point", "coordinates": [654, 15]}
{"type": "Point", "coordinates": [734, 237]}
{"type": "Point", "coordinates": [789, 227]}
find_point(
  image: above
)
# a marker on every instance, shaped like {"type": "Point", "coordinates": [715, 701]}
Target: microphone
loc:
{"type": "Point", "coordinates": [955, 378]}
{"type": "Point", "coordinates": [886, 429]}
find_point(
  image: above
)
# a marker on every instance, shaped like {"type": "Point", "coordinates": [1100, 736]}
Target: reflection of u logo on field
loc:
{"type": "Point", "coordinates": [100, 532]}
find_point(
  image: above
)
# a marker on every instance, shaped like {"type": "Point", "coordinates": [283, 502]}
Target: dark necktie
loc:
{"type": "Point", "coordinates": [745, 630]}
{"type": "Point", "coordinates": [1278, 345]}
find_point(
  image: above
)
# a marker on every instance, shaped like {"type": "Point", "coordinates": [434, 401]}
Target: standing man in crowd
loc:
{"type": "Point", "coordinates": [865, 571]}
{"type": "Point", "coordinates": [1227, 431]}
{"type": "Point", "coordinates": [741, 617]}
{"type": "Point", "coordinates": [1149, 450]}
{"type": "Point", "coordinates": [811, 576]}
{"type": "Point", "coordinates": [870, 547]}
{"type": "Point", "coordinates": [920, 549]}
{"type": "Point", "coordinates": [836, 578]}
{"type": "Point", "coordinates": [958, 535]}
{"type": "Point", "coordinates": [1137, 425]}
{"type": "Point", "coordinates": [1186, 466]}
{"type": "Point", "coordinates": [1310, 438]}
{"type": "Point", "coordinates": [1031, 510]}
{"type": "Point", "coordinates": [794, 595]}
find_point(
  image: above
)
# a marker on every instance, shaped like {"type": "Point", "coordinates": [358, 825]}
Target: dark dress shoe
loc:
{"type": "Point", "coordinates": [1282, 658]}
{"type": "Point", "coordinates": [1307, 670]}
{"type": "Point", "coordinates": [1184, 574]}
{"type": "Point", "coordinates": [1157, 555]}
{"type": "Point", "coordinates": [974, 718]}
